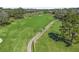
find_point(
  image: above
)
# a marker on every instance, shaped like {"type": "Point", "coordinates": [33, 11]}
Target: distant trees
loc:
{"type": "Point", "coordinates": [60, 13]}
{"type": "Point", "coordinates": [16, 13]}
{"type": "Point", "coordinates": [19, 13]}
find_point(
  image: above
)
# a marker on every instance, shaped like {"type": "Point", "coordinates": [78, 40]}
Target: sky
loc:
{"type": "Point", "coordinates": [45, 4]}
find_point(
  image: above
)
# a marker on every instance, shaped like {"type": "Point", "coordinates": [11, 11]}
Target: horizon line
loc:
{"type": "Point", "coordinates": [40, 7]}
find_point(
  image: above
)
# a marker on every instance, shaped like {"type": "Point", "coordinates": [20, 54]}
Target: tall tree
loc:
{"type": "Point", "coordinates": [3, 17]}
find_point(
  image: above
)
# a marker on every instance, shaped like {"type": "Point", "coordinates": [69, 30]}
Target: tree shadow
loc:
{"type": "Point", "coordinates": [76, 42]}
{"type": "Point", "coordinates": [56, 37]}
{"type": "Point", "coordinates": [4, 24]}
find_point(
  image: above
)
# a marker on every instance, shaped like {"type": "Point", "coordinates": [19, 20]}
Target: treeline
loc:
{"type": "Point", "coordinates": [17, 13]}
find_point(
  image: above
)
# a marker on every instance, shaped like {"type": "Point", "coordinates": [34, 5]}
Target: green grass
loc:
{"type": "Point", "coordinates": [46, 44]}
{"type": "Point", "coordinates": [16, 35]}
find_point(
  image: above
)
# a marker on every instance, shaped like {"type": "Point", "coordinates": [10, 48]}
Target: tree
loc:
{"type": "Point", "coordinates": [3, 17]}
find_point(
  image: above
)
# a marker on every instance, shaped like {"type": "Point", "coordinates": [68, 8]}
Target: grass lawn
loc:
{"type": "Point", "coordinates": [16, 35]}
{"type": "Point", "coordinates": [46, 44]}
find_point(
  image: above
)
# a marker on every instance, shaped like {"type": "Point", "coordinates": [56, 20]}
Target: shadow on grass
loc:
{"type": "Point", "coordinates": [4, 24]}
{"type": "Point", "coordinates": [56, 37]}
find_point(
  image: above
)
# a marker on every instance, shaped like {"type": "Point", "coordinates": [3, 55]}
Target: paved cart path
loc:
{"type": "Point", "coordinates": [37, 36]}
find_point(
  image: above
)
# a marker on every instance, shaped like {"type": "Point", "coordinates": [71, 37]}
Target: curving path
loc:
{"type": "Point", "coordinates": [37, 36]}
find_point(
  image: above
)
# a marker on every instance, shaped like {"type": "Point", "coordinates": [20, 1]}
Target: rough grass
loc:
{"type": "Point", "coordinates": [46, 44]}
{"type": "Point", "coordinates": [16, 35]}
